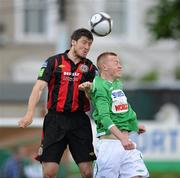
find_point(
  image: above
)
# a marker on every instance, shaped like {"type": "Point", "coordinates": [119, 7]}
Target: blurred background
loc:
{"type": "Point", "coordinates": [146, 35]}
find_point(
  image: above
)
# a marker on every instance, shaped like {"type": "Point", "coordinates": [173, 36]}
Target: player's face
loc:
{"type": "Point", "coordinates": [114, 66]}
{"type": "Point", "coordinates": [82, 46]}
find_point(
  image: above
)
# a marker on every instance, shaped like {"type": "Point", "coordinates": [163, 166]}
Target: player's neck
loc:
{"type": "Point", "coordinates": [107, 77]}
{"type": "Point", "coordinates": [73, 57]}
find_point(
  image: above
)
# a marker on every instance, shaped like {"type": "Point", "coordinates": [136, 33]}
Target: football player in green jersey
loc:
{"type": "Point", "coordinates": [115, 119]}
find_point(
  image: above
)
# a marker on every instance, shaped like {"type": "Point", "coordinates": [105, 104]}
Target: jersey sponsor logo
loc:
{"type": "Point", "coordinates": [76, 74]}
{"type": "Point", "coordinates": [121, 107]}
{"type": "Point", "coordinates": [70, 79]}
{"type": "Point", "coordinates": [117, 93]}
{"type": "Point", "coordinates": [71, 76]}
{"type": "Point", "coordinates": [119, 101]}
{"type": "Point", "coordinates": [61, 66]}
{"type": "Point", "coordinates": [83, 68]}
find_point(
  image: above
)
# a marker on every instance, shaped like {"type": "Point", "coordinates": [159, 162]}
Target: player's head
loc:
{"type": "Point", "coordinates": [109, 65]}
{"type": "Point", "coordinates": [77, 34]}
{"type": "Point", "coordinates": [81, 41]}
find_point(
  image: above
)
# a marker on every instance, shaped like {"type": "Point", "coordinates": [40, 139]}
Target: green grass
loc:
{"type": "Point", "coordinates": [161, 166]}
{"type": "Point", "coordinates": [163, 169]}
{"type": "Point", "coordinates": [165, 174]}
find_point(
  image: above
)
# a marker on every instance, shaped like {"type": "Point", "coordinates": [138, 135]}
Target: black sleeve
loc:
{"type": "Point", "coordinates": [46, 70]}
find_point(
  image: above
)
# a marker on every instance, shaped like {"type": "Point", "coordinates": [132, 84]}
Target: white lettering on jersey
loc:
{"type": "Point", "coordinates": [119, 101]}
{"type": "Point", "coordinates": [71, 73]}
{"type": "Point", "coordinates": [71, 76]}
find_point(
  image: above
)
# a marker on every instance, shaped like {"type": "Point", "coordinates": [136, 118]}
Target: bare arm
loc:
{"type": "Point", "coordinates": [33, 100]}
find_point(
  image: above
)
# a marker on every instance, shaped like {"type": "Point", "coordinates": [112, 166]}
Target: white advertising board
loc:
{"type": "Point", "coordinates": [161, 141]}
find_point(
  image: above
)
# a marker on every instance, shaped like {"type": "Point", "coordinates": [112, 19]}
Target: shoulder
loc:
{"type": "Point", "coordinates": [56, 56]}
{"type": "Point", "coordinates": [118, 83]}
{"type": "Point", "coordinates": [98, 84]}
{"type": "Point", "coordinates": [52, 59]}
{"type": "Point", "coordinates": [92, 68]}
{"type": "Point", "coordinates": [88, 61]}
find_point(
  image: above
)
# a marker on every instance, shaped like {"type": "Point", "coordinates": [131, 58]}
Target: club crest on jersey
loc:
{"type": "Point", "coordinates": [83, 68]}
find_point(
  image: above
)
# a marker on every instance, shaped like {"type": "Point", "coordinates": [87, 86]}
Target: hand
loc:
{"type": "Point", "coordinates": [86, 86]}
{"type": "Point", "coordinates": [127, 144]}
{"type": "Point", "coordinates": [141, 128]}
{"type": "Point", "coordinates": [25, 121]}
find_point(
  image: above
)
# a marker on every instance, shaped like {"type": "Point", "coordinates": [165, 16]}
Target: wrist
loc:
{"type": "Point", "coordinates": [30, 114]}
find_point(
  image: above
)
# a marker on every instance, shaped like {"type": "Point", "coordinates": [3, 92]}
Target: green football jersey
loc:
{"type": "Point", "coordinates": [110, 107]}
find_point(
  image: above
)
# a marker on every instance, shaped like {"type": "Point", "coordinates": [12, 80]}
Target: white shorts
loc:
{"type": "Point", "coordinates": [115, 162]}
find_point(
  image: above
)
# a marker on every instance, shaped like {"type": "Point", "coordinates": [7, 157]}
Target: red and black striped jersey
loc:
{"type": "Point", "coordinates": [63, 78]}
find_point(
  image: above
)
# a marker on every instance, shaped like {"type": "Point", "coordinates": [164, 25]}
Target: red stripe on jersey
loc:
{"type": "Point", "coordinates": [77, 79]}
{"type": "Point", "coordinates": [62, 94]}
{"type": "Point", "coordinates": [51, 86]}
{"type": "Point", "coordinates": [90, 67]}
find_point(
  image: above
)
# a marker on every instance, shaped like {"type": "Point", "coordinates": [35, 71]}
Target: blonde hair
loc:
{"type": "Point", "coordinates": [103, 56]}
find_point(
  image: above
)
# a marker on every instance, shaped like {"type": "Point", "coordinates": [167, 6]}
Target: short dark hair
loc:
{"type": "Point", "coordinates": [77, 34]}
{"type": "Point", "coordinates": [104, 54]}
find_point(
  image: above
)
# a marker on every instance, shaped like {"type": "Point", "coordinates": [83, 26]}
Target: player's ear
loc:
{"type": "Point", "coordinates": [104, 66]}
{"type": "Point", "coordinates": [73, 42]}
